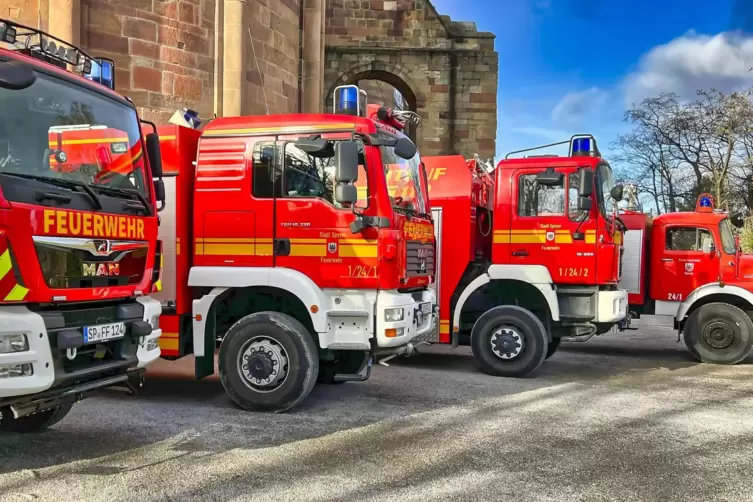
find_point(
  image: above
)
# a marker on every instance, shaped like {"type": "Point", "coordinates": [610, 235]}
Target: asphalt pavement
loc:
{"type": "Point", "coordinates": [624, 417]}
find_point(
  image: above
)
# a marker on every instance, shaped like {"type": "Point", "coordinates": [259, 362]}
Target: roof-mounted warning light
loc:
{"type": "Point", "coordinates": [349, 100]}
{"type": "Point", "coordinates": [580, 145]}
{"type": "Point", "coordinates": [43, 46]}
{"type": "Point", "coordinates": [705, 203]}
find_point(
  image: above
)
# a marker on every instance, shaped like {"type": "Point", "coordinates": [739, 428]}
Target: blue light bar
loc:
{"type": "Point", "coordinates": [581, 146]}
{"type": "Point", "coordinates": [705, 202]}
{"type": "Point", "coordinates": [102, 73]}
{"type": "Point", "coordinates": [346, 100]}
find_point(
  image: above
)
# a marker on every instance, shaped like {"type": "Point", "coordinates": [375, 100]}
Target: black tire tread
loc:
{"type": "Point", "coordinates": [310, 355]}
{"type": "Point", "coordinates": [705, 356]}
{"type": "Point", "coordinates": [37, 422]}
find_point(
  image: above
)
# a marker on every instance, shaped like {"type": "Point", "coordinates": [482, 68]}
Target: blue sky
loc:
{"type": "Point", "coordinates": [573, 66]}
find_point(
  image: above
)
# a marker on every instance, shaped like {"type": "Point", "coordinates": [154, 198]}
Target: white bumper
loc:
{"type": "Point", "coordinates": [419, 317]}
{"type": "Point", "coordinates": [611, 306]}
{"type": "Point", "coordinates": [149, 350]}
{"type": "Point", "coordinates": [18, 319]}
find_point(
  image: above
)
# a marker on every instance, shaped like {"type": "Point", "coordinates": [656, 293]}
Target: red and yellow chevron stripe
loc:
{"type": "Point", "coordinates": [11, 288]}
{"type": "Point", "coordinates": [169, 342]}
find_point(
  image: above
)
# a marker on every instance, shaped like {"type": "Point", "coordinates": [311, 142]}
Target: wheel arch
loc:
{"type": "Point", "coordinates": [532, 281]}
{"type": "Point", "coordinates": [712, 293]}
{"type": "Point", "coordinates": [227, 282]}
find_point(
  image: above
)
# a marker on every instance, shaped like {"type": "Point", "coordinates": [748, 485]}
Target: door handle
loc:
{"type": "Point", "coordinates": [520, 252]}
{"type": "Point", "coordinates": [731, 264]}
{"type": "Point", "coordinates": [282, 247]}
{"type": "Point", "coordinates": [667, 259]}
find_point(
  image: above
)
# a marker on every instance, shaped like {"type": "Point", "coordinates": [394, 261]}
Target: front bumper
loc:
{"type": "Point", "coordinates": [47, 366]}
{"type": "Point", "coordinates": [419, 317]}
{"type": "Point", "coordinates": [611, 306]}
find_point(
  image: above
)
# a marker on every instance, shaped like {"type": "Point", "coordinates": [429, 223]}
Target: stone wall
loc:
{"type": "Point", "coordinates": [448, 70]}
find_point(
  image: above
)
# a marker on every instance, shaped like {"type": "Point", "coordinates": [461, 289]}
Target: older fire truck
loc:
{"type": "Point", "coordinates": [78, 238]}
{"type": "Point", "coordinates": [529, 253]}
{"type": "Point", "coordinates": [687, 267]}
{"type": "Point", "coordinates": [275, 254]}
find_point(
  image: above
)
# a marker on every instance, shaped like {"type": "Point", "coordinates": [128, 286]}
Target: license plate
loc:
{"type": "Point", "coordinates": [103, 332]}
{"type": "Point", "coordinates": [426, 308]}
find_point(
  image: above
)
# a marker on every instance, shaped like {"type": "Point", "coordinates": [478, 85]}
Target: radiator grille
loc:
{"type": "Point", "coordinates": [419, 258]}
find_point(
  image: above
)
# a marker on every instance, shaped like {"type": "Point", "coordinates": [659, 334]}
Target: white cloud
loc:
{"type": "Point", "coordinates": [574, 107]}
{"type": "Point", "coordinates": [692, 62]}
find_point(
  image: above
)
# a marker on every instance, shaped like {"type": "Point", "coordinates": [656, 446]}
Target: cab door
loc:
{"type": "Point", "coordinates": [312, 230]}
{"type": "Point", "coordinates": [687, 260]}
{"type": "Point", "coordinates": [547, 228]}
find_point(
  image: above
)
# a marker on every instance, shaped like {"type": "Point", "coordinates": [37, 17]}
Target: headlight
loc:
{"type": "Point", "coordinates": [17, 370]}
{"type": "Point", "coordinates": [155, 321]}
{"type": "Point", "coordinates": [151, 345]}
{"type": "Point", "coordinates": [394, 315]}
{"type": "Point", "coordinates": [13, 343]}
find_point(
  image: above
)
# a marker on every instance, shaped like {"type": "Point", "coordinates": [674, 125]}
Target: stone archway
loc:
{"type": "Point", "coordinates": [389, 74]}
{"type": "Point", "coordinates": [448, 68]}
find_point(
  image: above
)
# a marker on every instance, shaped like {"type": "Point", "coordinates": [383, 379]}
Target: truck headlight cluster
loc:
{"type": "Point", "coordinates": [16, 370]}
{"type": "Point", "coordinates": [15, 342]}
{"type": "Point", "coordinates": [394, 315]}
{"type": "Point", "coordinates": [154, 321]}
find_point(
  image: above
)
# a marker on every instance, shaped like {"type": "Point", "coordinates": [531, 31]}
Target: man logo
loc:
{"type": "Point", "coordinates": [102, 247]}
{"type": "Point", "coordinates": [100, 269]}
{"type": "Point", "coordinates": [332, 247]}
{"type": "Point", "coordinates": [422, 266]}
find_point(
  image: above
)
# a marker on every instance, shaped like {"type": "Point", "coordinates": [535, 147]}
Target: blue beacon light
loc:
{"type": "Point", "coordinates": [101, 73]}
{"type": "Point", "coordinates": [581, 146]}
{"type": "Point", "coordinates": [704, 202]}
{"type": "Point", "coordinates": [346, 101]}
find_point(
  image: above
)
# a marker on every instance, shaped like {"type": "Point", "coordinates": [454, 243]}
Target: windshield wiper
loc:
{"type": "Point", "coordinates": [124, 192]}
{"type": "Point", "coordinates": [79, 185]}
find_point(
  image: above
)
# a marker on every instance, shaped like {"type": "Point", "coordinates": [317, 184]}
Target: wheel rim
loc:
{"type": "Point", "coordinates": [507, 342]}
{"type": "Point", "coordinates": [718, 335]}
{"type": "Point", "coordinates": [263, 364]}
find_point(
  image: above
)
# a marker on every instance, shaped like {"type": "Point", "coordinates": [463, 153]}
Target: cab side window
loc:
{"type": "Point", "coordinates": [540, 200]}
{"type": "Point", "coordinates": [689, 239]}
{"type": "Point", "coordinates": [266, 172]}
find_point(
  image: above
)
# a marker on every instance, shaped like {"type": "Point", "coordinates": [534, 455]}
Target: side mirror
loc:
{"type": "Point", "coordinates": [549, 177]}
{"type": "Point", "coordinates": [584, 204]}
{"type": "Point", "coordinates": [405, 148]}
{"type": "Point", "coordinates": [346, 162]}
{"type": "Point", "coordinates": [15, 75]}
{"type": "Point", "coordinates": [346, 194]}
{"type": "Point", "coordinates": [616, 192]}
{"type": "Point", "coordinates": [154, 154]}
{"type": "Point", "coordinates": [737, 219]}
{"type": "Point", "coordinates": [159, 194]}
{"type": "Point", "coordinates": [585, 182]}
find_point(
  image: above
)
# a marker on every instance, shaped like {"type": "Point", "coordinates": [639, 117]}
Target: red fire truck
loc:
{"type": "Point", "coordinates": [275, 254]}
{"type": "Point", "coordinates": [78, 250]}
{"type": "Point", "coordinates": [529, 253]}
{"type": "Point", "coordinates": [687, 267]}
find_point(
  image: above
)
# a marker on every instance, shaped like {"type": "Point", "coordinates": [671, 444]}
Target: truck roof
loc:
{"type": "Point", "coordinates": [288, 124]}
{"type": "Point", "coordinates": [691, 218]}
{"type": "Point", "coordinates": [549, 160]}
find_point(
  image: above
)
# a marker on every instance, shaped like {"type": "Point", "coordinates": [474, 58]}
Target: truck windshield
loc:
{"type": "Point", "coordinates": [404, 181]}
{"type": "Point", "coordinates": [604, 184]}
{"type": "Point", "coordinates": [58, 130]}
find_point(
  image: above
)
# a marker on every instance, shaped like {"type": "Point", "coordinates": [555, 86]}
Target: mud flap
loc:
{"type": "Point", "coordinates": [204, 366]}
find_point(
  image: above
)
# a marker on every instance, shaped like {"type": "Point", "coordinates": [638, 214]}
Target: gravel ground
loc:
{"type": "Point", "coordinates": [628, 417]}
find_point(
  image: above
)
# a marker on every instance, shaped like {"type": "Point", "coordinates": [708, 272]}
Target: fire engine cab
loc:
{"type": "Point", "coordinates": [687, 267]}
{"type": "Point", "coordinates": [79, 254]}
{"type": "Point", "coordinates": [529, 253]}
{"type": "Point", "coordinates": [275, 253]}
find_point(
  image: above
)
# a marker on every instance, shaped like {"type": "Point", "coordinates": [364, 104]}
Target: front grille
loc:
{"type": "Point", "coordinates": [70, 263]}
{"type": "Point", "coordinates": [88, 317]}
{"type": "Point", "coordinates": [419, 258]}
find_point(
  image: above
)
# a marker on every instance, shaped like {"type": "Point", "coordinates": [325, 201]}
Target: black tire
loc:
{"type": "Point", "coordinates": [719, 333]}
{"type": "Point", "coordinates": [301, 355]}
{"type": "Point", "coordinates": [527, 326]}
{"type": "Point", "coordinates": [36, 422]}
{"type": "Point", "coordinates": [553, 346]}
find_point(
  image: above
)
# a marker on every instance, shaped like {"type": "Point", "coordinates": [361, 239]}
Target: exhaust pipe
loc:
{"type": "Point", "coordinates": [406, 350]}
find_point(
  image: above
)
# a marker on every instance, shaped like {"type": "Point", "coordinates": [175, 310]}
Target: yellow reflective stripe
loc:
{"type": "Point", "coordinates": [358, 251]}
{"type": "Point", "coordinates": [5, 264]}
{"type": "Point", "coordinates": [16, 294]}
{"type": "Point", "coordinates": [169, 343]}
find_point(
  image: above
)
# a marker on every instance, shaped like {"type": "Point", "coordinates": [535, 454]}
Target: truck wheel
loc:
{"type": "Point", "coordinates": [268, 362]}
{"type": "Point", "coordinates": [719, 333]}
{"type": "Point", "coordinates": [36, 422]}
{"type": "Point", "coordinates": [509, 341]}
{"type": "Point", "coordinates": [553, 346]}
